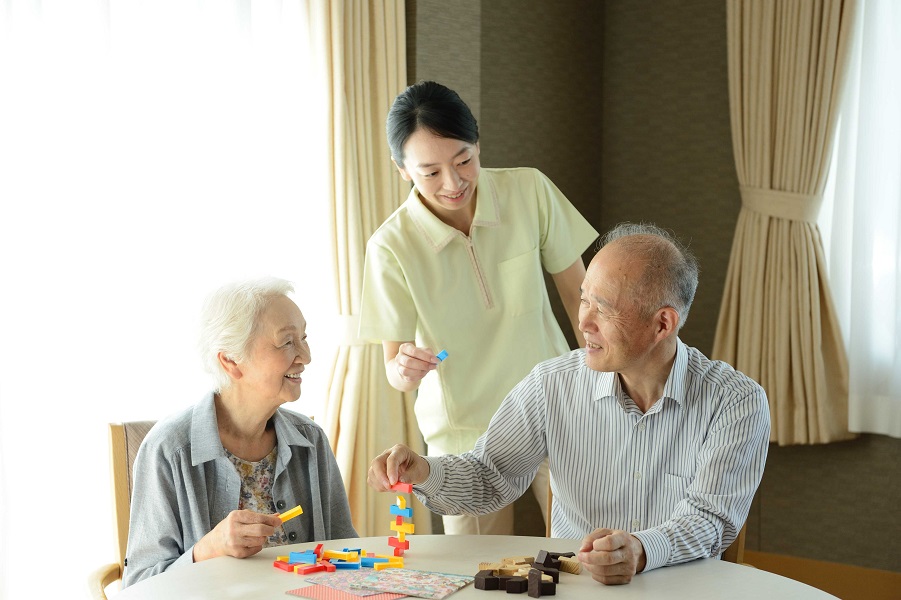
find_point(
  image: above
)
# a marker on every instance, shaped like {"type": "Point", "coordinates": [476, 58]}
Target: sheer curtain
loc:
{"type": "Point", "coordinates": [149, 152]}
{"type": "Point", "coordinates": [861, 222]}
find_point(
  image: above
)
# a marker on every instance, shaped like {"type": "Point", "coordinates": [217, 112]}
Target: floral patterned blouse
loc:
{"type": "Point", "coordinates": [256, 489]}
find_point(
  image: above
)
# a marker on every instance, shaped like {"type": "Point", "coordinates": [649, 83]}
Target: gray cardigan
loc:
{"type": "Point", "coordinates": [184, 485]}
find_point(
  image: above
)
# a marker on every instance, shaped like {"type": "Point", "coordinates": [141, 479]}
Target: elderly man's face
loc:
{"type": "Point", "coordinates": [618, 338]}
{"type": "Point", "coordinates": [278, 355]}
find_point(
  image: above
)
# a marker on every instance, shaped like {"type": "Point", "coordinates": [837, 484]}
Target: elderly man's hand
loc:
{"type": "Point", "coordinates": [612, 556]}
{"type": "Point", "coordinates": [398, 463]}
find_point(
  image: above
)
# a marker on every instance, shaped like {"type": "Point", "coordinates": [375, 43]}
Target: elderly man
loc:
{"type": "Point", "coordinates": [655, 451]}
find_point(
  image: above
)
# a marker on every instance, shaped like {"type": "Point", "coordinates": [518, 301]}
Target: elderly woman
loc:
{"type": "Point", "coordinates": [212, 480]}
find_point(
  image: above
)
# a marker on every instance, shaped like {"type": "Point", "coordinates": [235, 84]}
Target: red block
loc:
{"type": "Point", "coordinates": [329, 567]}
{"type": "Point", "coordinates": [280, 564]}
{"type": "Point", "coordinates": [318, 550]}
{"type": "Point", "coordinates": [404, 545]}
{"type": "Point", "coordinates": [399, 551]}
{"type": "Point", "coordinates": [403, 487]}
{"type": "Point", "coordinates": [399, 520]}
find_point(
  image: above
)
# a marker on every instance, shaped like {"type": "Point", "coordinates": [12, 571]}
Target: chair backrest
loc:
{"type": "Point", "coordinates": [735, 553]}
{"type": "Point", "coordinates": [124, 439]}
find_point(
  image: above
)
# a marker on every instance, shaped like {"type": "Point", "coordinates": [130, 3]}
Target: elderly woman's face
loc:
{"type": "Point", "coordinates": [278, 353]}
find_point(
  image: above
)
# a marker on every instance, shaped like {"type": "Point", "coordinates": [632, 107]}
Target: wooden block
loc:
{"type": "Point", "coordinates": [547, 559]}
{"type": "Point", "coordinates": [517, 585]}
{"type": "Point", "coordinates": [508, 570]}
{"type": "Point", "coordinates": [548, 588]}
{"type": "Point", "coordinates": [397, 543]}
{"type": "Point", "coordinates": [307, 569]}
{"type": "Point", "coordinates": [518, 560]}
{"type": "Point", "coordinates": [570, 565]}
{"type": "Point", "coordinates": [554, 573]}
{"type": "Point", "coordinates": [486, 580]}
{"type": "Point", "coordinates": [283, 565]}
{"type": "Point", "coordinates": [348, 556]}
{"type": "Point", "coordinates": [290, 514]}
{"type": "Point", "coordinates": [490, 566]}
{"type": "Point", "coordinates": [535, 580]}
{"type": "Point", "coordinates": [405, 527]}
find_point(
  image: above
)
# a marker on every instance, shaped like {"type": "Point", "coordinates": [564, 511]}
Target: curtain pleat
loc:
{"type": "Point", "coordinates": [365, 49]}
{"type": "Point", "coordinates": [777, 323]}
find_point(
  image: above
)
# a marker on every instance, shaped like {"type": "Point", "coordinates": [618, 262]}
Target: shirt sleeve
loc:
{"type": "Point", "coordinates": [502, 465]}
{"type": "Point", "coordinates": [565, 234]}
{"type": "Point", "coordinates": [387, 310]}
{"type": "Point", "coordinates": [717, 501]}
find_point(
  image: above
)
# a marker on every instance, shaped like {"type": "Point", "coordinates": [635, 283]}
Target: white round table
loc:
{"type": "Point", "coordinates": [256, 578]}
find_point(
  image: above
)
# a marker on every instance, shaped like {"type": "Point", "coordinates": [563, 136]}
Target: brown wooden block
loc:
{"type": "Point", "coordinates": [548, 588]}
{"type": "Point", "coordinates": [535, 583]}
{"type": "Point", "coordinates": [486, 580]}
{"type": "Point", "coordinates": [517, 585]}
{"type": "Point", "coordinates": [554, 573]}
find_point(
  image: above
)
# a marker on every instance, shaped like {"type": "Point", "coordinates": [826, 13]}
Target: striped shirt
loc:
{"type": "Point", "coordinates": [679, 477]}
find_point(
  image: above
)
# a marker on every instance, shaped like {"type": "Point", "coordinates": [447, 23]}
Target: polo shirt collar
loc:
{"type": "Point", "coordinates": [206, 444]}
{"type": "Point", "coordinates": [607, 384]}
{"type": "Point", "coordinates": [437, 232]}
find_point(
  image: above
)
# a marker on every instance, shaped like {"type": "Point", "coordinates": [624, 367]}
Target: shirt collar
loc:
{"type": "Point", "coordinates": [438, 233]}
{"type": "Point", "coordinates": [607, 384]}
{"type": "Point", "coordinates": [206, 444]}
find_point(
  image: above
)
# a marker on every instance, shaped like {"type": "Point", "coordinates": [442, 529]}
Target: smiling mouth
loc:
{"type": "Point", "coordinates": [295, 376]}
{"type": "Point", "coordinates": [455, 196]}
{"type": "Point", "coordinates": [592, 346]}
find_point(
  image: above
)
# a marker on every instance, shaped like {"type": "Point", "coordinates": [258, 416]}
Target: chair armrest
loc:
{"type": "Point", "coordinates": [101, 578]}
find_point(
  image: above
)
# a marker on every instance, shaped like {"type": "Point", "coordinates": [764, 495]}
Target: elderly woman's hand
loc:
{"type": "Point", "coordinates": [241, 534]}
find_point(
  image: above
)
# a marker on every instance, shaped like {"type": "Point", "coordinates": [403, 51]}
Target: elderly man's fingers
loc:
{"type": "Point", "coordinates": [377, 476]}
{"type": "Point", "coordinates": [588, 540]}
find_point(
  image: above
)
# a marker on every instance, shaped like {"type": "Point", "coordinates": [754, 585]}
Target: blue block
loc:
{"type": "Point", "coordinates": [307, 557]}
{"type": "Point", "coordinates": [357, 550]}
{"type": "Point", "coordinates": [401, 512]}
{"type": "Point", "coordinates": [441, 355]}
{"type": "Point", "coordinates": [346, 565]}
{"type": "Point", "coordinates": [369, 561]}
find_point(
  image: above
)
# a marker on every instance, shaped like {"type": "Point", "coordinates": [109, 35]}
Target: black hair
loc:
{"type": "Point", "coordinates": [432, 106]}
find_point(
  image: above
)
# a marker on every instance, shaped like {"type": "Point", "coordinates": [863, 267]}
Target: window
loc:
{"type": "Point", "coordinates": [149, 152]}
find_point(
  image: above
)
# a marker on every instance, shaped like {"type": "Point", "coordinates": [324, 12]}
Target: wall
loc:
{"type": "Point", "coordinates": [624, 104]}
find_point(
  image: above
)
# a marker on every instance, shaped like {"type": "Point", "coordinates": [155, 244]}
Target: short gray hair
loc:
{"type": "Point", "coordinates": [670, 277]}
{"type": "Point", "coordinates": [229, 322]}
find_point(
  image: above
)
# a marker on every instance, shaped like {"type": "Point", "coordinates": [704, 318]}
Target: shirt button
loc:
{"type": "Point", "coordinates": [292, 536]}
{"type": "Point", "coordinates": [635, 524]}
{"type": "Point", "coordinates": [280, 505]}
{"type": "Point", "coordinates": [637, 475]}
{"type": "Point", "coordinates": [642, 426]}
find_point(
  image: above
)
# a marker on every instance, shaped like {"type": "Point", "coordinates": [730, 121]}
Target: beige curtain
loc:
{"type": "Point", "coordinates": [777, 323]}
{"type": "Point", "coordinates": [364, 42]}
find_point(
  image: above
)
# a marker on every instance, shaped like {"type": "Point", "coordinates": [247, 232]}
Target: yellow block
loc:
{"type": "Point", "coordinates": [405, 527]}
{"type": "Point", "coordinates": [401, 502]}
{"type": "Point", "coordinates": [348, 556]}
{"type": "Point", "coordinates": [290, 514]}
{"type": "Point", "coordinates": [387, 565]}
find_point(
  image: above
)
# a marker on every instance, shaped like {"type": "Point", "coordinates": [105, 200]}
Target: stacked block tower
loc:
{"type": "Point", "coordinates": [401, 511]}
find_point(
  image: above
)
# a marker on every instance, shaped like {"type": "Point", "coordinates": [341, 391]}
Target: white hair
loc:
{"type": "Point", "coordinates": [229, 322]}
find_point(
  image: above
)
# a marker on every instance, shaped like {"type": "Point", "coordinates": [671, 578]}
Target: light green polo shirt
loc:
{"type": "Point", "coordinates": [480, 297]}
